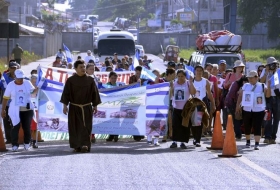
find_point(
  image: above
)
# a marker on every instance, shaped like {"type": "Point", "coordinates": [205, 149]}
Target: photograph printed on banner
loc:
{"type": "Point", "coordinates": [248, 99]}
{"type": "Point", "coordinates": [126, 113]}
{"type": "Point", "coordinates": [180, 94]}
{"type": "Point", "coordinates": [259, 100]}
{"type": "Point", "coordinates": [156, 127]}
{"type": "Point", "coordinates": [100, 114]}
{"type": "Point", "coordinates": [52, 123]}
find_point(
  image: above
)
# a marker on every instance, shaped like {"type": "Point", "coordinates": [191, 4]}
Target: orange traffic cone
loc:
{"type": "Point", "coordinates": [217, 138]}
{"type": "Point", "coordinates": [229, 148]}
{"type": "Point", "coordinates": [20, 136]}
{"type": "Point", "coordinates": [2, 142]}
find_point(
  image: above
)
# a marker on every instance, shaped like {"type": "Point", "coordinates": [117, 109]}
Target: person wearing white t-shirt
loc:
{"type": "Point", "coordinates": [253, 114]}
{"type": "Point", "coordinates": [271, 126]}
{"type": "Point", "coordinates": [21, 108]}
{"type": "Point", "coordinates": [89, 57]}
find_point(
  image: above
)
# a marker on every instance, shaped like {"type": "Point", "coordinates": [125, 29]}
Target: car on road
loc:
{"type": "Point", "coordinates": [82, 17]}
{"type": "Point", "coordinates": [141, 50]}
{"type": "Point", "coordinates": [133, 31]}
{"type": "Point", "coordinates": [215, 53]}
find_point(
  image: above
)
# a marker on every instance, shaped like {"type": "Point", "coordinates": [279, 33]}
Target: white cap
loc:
{"type": "Point", "coordinates": [19, 74]}
{"type": "Point", "coordinates": [252, 73]}
{"type": "Point", "coordinates": [238, 63]}
{"type": "Point", "coordinates": [88, 51]}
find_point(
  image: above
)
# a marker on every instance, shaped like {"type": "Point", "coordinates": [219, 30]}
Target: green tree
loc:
{"type": "Point", "coordinates": [260, 11]}
{"type": "Point", "coordinates": [82, 7]}
{"type": "Point", "coordinates": [119, 8]}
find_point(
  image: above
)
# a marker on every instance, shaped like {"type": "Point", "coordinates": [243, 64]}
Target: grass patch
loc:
{"type": "Point", "coordinates": [27, 58]}
{"type": "Point", "coordinates": [250, 55]}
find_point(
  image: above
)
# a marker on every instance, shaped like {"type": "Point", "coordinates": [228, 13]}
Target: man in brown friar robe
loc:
{"type": "Point", "coordinates": [81, 94]}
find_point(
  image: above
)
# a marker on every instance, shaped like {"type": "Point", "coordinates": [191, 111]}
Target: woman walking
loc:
{"type": "Point", "coordinates": [21, 108]}
{"type": "Point", "coordinates": [252, 112]}
{"type": "Point", "coordinates": [179, 132]}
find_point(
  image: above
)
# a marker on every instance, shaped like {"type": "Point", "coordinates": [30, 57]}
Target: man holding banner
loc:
{"type": "Point", "coordinates": [81, 94]}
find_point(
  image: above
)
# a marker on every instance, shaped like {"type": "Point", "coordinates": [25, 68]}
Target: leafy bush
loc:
{"type": "Point", "coordinates": [27, 58]}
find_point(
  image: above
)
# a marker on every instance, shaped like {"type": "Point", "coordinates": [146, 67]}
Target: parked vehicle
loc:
{"type": "Point", "coordinates": [133, 31]}
{"type": "Point", "coordinates": [82, 17]}
{"type": "Point", "coordinates": [141, 50]}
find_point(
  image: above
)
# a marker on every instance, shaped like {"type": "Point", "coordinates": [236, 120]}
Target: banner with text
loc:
{"type": "Point", "coordinates": [121, 112]}
{"type": "Point", "coordinates": [61, 74]}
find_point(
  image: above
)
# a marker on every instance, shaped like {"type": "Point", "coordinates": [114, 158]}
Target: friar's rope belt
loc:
{"type": "Point", "coordinates": [82, 107]}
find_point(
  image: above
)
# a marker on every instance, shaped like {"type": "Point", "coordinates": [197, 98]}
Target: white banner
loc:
{"type": "Point", "coordinates": [121, 113]}
{"type": "Point", "coordinates": [61, 75]}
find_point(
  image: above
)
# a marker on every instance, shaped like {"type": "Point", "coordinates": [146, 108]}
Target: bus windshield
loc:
{"type": "Point", "coordinates": [120, 46]}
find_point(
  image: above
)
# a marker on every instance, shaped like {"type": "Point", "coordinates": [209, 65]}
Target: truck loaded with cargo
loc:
{"type": "Point", "coordinates": [215, 46]}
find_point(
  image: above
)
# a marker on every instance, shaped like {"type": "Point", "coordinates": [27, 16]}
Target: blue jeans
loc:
{"type": "Point", "coordinates": [271, 126]}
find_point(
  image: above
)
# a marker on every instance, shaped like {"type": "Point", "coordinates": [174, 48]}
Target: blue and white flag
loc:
{"type": "Point", "coordinates": [147, 74]}
{"type": "Point", "coordinates": [157, 108]}
{"type": "Point", "coordinates": [275, 78]}
{"type": "Point", "coordinates": [69, 56]}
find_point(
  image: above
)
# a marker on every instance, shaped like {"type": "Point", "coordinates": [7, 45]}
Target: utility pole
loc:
{"type": "Point", "coordinates": [198, 19]}
{"type": "Point", "coordinates": [172, 6]}
{"type": "Point", "coordinates": [19, 9]}
{"type": "Point", "coordinates": [209, 16]}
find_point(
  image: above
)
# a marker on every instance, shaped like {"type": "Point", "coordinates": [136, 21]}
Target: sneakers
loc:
{"type": "Point", "coordinates": [173, 145]}
{"type": "Point", "coordinates": [266, 141]}
{"type": "Point", "coordinates": [198, 145]}
{"type": "Point", "coordinates": [157, 144]}
{"type": "Point", "coordinates": [248, 145]}
{"type": "Point", "coordinates": [15, 148]}
{"type": "Point", "coordinates": [256, 147]}
{"type": "Point", "coordinates": [183, 146]}
{"type": "Point", "coordinates": [26, 146]}
{"type": "Point", "coordinates": [149, 142]}
{"type": "Point", "coordinates": [272, 141]}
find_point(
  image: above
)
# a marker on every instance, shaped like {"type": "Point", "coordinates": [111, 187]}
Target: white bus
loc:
{"type": "Point", "coordinates": [115, 41]}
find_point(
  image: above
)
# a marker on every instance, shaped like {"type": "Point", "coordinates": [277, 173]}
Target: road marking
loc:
{"type": "Point", "coordinates": [260, 169]}
{"type": "Point", "coordinates": [251, 176]}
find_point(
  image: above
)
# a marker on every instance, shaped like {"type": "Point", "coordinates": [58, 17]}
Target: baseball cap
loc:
{"type": "Point", "coordinates": [19, 74]}
{"type": "Point", "coordinates": [222, 61]}
{"type": "Point", "coordinates": [88, 51]}
{"type": "Point", "coordinates": [115, 54]}
{"type": "Point", "coordinates": [271, 60]}
{"type": "Point", "coordinates": [252, 73]}
{"type": "Point", "coordinates": [13, 64]}
{"type": "Point", "coordinates": [171, 64]}
{"type": "Point", "coordinates": [17, 44]}
{"type": "Point", "coordinates": [57, 57]}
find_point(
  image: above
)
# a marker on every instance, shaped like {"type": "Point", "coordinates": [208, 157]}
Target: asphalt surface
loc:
{"type": "Point", "coordinates": [136, 165]}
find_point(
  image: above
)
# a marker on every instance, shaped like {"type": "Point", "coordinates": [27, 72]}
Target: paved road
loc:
{"type": "Point", "coordinates": [136, 165]}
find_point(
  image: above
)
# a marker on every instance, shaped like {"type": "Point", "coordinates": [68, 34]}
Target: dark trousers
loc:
{"type": "Point", "coordinates": [271, 126]}
{"type": "Point", "coordinates": [225, 116]}
{"type": "Point", "coordinates": [253, 120]}
{"type": "Point", "coordinates": [197, 132]}
{"type": "Point", "coordinates": [237, 123]}
{"type": "Point", "coordinates": [7, 125]}
{"type": "Point", "coordinates": [18, 61]}
{"type": "Point", "coordinates": [25, 121]}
